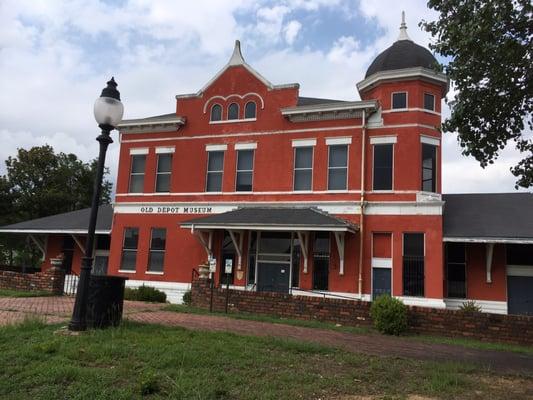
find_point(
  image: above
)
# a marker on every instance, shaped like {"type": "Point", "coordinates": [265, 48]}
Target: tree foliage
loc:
{"type": "Point", "coordinates": [489, 45]}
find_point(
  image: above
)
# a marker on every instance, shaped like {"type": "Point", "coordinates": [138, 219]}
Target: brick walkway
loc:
{"type": "Point", "coordinates": [58, 309]}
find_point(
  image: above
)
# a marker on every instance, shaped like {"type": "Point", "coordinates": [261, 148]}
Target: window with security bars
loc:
{"type": "Point", "coordinates": [138, 163]}
{"type": "Point", "coordinates": [338, 167]}
{"type": "Point", "coordinates": [429, 168]}
{"type": "Point", "coordinates": [215, 171]}
{"type": "Point", "coordinates": [164, 170]}
{"type": "Point", "coordinates": [129, 249]}
{"type": "Point", "coordinates": [157, 250]}
{"type": "Point", "coordinates": [456, 270]}
{"type": "Point", "coordinates": [413, 264]}
{"type": "Point", "coordinates": [303, 168]}
{"type": "Point", "coordinates": [245, 170]}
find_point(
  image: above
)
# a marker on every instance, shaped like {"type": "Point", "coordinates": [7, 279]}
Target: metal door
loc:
{"type": "Point", "coordinates": [381, 282]}
{"type": "Point", "coordinates": [520, 295]}
{"type": "Point", "coordinates": [273, 277]}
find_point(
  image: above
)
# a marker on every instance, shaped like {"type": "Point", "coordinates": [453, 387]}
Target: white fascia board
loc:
{"type": "Point", "coordinates": [285, 228]}
{"type": "Point", "coordinates": [165, 150]}
{"type": "Point", "coordinates": [404, 73]}
{"type": "Point", "coordinates": [138, 151]}
{"type": "Point", "coordinates": [58, 231]}
{"type": "Point", "coordinates": [404, 208]}
{"type": "Point", "coordinates": [338, 140]}
{"type": "Point", "coordinates": [303, 142]}
{"type": "Point", "coordinates": [383, 139]}
{"type": "Point", "coordinates": [133, 123]}
{"type": "Point", "coordinates": [344, 106]}
{"type": "Point", "coordinates": [429, 140]}
{"type": "Point", "coordinates": [216, 147]}
{"type": "Point", "coordinates": [245, 146]}
{"type": "Point", "coordinates": [487, 240]}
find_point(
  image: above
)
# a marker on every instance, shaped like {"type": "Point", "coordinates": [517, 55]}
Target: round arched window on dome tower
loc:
{"type": "Point", "coordinates": [216, 112]}
{"type": "Point", "coordinates": [250, 110]}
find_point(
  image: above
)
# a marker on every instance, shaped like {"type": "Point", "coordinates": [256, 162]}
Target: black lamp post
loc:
{"type": "Point", "coordinates": [108, 111]}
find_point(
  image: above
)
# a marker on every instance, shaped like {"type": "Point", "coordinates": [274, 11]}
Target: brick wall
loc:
{"type": "Point", "coordinates": [52, 280]}
{"type": "Point", "coordinates": [482, 326]}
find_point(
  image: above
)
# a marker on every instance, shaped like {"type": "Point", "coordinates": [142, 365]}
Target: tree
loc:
{"type": "Point", "coordinates": [489, 44]}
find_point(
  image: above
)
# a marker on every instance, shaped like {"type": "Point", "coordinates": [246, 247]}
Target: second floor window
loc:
{"type": "Point", "coordinates": [383, 166]}
{"type": "Point", "coordinates": [245, 170]}
{"type": "Point", "coordinates": [429, 102]}
{"type": "Point", "coordinates": [216, 112]}
{"type": "Point", "coordinates": [129, 249]}
{"type": "Point", "coordinates": [429, 168]}
{"type": "Point", "coordinates": [215, 171]}
{"type": "Point", "coordinates": [233, 111]}
{"type": "Point", "coordinates": [338, 167]}
{"type": "Point", "coordinates": [164, 168]}
{"type": "Point", "coordinates": [138, 163]}
{"type": "Point", "coordinates": [399, 100]}
{"type": "Point", "coordinates": [157, 250]}
{"type": "Point", "coordinates": [303, 168]}
{"type": "Point", "coordinates": [249, 110]}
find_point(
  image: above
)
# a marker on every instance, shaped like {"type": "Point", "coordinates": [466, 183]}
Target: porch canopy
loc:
{"type": "Point", "coordinates": [281, 219]}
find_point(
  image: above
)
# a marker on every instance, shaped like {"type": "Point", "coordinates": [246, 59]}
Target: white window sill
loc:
{"type": "Point", "coordinates": [399, 109]}
{"type": "Point", "coordinates": [338, 191]}
{"type": "Point", "coordinates": [391, 191]}
{"type": "Point", "coordinates": [155, 273]}
{"type": "Point", "coordinates": [229, 121]}
{"type": "Point", "coordinates": [126, 271]}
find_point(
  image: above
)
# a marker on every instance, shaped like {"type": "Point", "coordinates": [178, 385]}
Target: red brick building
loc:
{"type": "Point", "coordinates": [313, 196]}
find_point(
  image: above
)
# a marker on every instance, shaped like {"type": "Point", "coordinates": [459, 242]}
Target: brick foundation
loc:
{"type": "Point", "coordinates": [511, 329]}
{"type": "Point", "coordinates": [51, 280]}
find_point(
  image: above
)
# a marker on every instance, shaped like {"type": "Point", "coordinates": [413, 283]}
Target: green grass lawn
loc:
{"type": "Point", "coordinates": [465, 342]}
{"type": "Point", "coordinates": [24, 293]}
{"type": "Point", "coordinates": [150, 361]}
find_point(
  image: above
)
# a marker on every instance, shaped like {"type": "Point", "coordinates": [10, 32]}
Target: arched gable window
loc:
{"type": "Point", "coordinates": [233, 111]}
{"type": "Point", "coordinates": [216, 112]}
{"type": "Point", "coordinates": [249, 110]}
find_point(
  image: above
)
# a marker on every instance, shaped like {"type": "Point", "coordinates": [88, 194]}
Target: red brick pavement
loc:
{"type": "Point", "coordinates": [58, 309]}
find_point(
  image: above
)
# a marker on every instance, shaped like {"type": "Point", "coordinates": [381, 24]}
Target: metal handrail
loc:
{"type": "Point", "coordinates": [325, 294]}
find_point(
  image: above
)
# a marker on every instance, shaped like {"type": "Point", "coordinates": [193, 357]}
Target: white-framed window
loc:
{"type": "Point", "coordinates": [429, 168]}
{"type": "Point", "coordinates": [383, 166]}
{"type": "Point", "coordinates": [138, 165]}
{"type": "Point", "coordinates": [303, 168]}
{"type": "Point", "coordinates": [245, 170]}
{"type": "Point", "coordinates": [129, 249]}
{"type": "Point", "coordinates": [215, 171]}
{"type": "Point", "coordinates": [399, 101]}
{"type": "Point", "coordinates": [338, 167]}
{"type": "Point", "coordinates": [216, 112]}
{"type": "Point", "coordinates": [163, 173]}
{"type": "Point", "coordinates": [156, 260]}
{"type": "Point", "coordinates": [250, 110]}
{"type": "Point", "coordinates": [233, 111]}
{"type": "Point", "coordinates": [429, 101]}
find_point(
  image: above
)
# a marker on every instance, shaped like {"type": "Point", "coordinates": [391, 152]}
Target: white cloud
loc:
{"type": "Point", "coordinates": [291, 31]}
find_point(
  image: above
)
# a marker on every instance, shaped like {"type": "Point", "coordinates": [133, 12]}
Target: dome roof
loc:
{"type": "Point", "coordinates": [404, 53]}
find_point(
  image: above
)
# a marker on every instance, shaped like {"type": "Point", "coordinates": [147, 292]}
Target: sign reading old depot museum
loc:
{"type": "Point", "coordinates": [124, 208]}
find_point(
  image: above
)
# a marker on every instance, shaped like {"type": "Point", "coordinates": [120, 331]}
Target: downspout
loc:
{"type": "Point", "coordinates": [362, 207]}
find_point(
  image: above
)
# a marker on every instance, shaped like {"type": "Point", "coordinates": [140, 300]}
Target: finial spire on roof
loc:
{"type": "Point", "coordinates": [236, 57]}
{"type": "Point", "coordinates": [403, 29]}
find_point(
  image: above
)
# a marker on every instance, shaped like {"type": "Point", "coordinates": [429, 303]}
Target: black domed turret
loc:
{"type": "Point", "coordinates": [404, 53]}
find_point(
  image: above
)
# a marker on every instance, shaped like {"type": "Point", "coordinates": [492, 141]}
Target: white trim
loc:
{"type": "Point", "coordinates": [240, 96]}
{"type": "Point", "coordinates": [487, 306]}
{"type": "Point", "coordinates": [332, 141]}
{"type": "Point", "coordinates": [422, 301]}
{"type": "Point", "coordinates": [486, 240]}
{"type": "Point", "coordinates": [336, 106]}
{"type": "Point", "coordinates": [429, 140]}
{"type": "Point", "coordinates": [155, 272]}
{"type": "Point", "coordinates": [245, 146]}
{"type": "Point", "coordinates": [381, 262]}
{"type": "Point", "coordinates": [61, 231]}
{"type": "Point", "coordinates": [139, 151]}
{"type": "Point", "coordinates": [330, 295]}
{"type": "Point", "coordinates": [520, 270]}
{"type": "Point", "coordinates": [394, 126]}
{"type": "Point", "coordinates": [216, 147]}
{"type": "Point", "coordinates": [303, 142]}
{"type": "Point", "coordinates": [229, 121]}
{"type": "Point", "coordinates": [165, 150]}
{"type": "Point", "coordinates": [281, 228]}
{"type": "Point", "coordinates": [383, 140]}
{"type": "Point", "coordinates": [173, 290]}
{"type": "Point", "coordinates": [404, 208]}
{"type": "Point", "coordinates": [415, 109]}
{"type": "Point", "coordinates": [127, 271]}
{"type": "Point", "coordinates": [288, 192]}
{"type": "Point", "coordinates": [404, 73]}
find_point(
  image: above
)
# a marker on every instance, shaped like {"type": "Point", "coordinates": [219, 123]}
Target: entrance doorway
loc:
{"type": "Point", "coordinates": [274, 260]}
{"type": "Point", "coordinates": [321, 261]}
{"type": "Point", "coordinates": [381, 282]}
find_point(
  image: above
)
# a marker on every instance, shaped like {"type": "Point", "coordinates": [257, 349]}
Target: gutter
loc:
{"type": "Point", "coordinates": [362, 205]}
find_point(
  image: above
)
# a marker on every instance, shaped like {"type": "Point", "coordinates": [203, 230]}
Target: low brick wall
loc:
{"type": "Point", "coordinates": [482, 326]}
{"type": "Point", "coordinates": [51, 280]}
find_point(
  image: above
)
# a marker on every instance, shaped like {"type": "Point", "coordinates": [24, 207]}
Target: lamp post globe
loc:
{"type": "Point", "coordinates": [108, 111]}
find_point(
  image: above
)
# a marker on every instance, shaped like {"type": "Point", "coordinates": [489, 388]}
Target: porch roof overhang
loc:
{"type": "Point", "coordinates": [272, 219]}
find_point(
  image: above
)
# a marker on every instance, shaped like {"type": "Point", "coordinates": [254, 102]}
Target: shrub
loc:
{"type": "Point", "coordinates": [389, 315]}
{"type": "Point", "coordinates": [149, 384]}
{"type": "Point", "coordinates": [145, 293]}
{"type": "Point", "coordinates": [187, 299]}
{"type": "Point", "coordinates": [470, 306]}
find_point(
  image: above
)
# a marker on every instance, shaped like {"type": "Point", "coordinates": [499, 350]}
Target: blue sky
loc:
{"type": "Point", "coordinates": [55, 57]}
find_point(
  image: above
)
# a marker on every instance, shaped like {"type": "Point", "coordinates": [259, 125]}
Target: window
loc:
{"type": "Point", "coordinates": [157, 250]}
{"type": "Point", "coordinates": [245, 170]}
{"type": "Point", "coordinates": [249, 110]}
{"type": "Point", "coordinates": [413, 264]}
{"type": "Point", "coordinates": [129, 249]}
{"type": "Point", "coordinates": [456, 270]}
{"type": "Point", "coordinates": [216, 112]}
{"type": "Point", "coordinates": [303, 168]}
{"type": "Point", "coordinates": [519, 254]}
{"type": "Point", "coordinates": [215, 170]}
{"type": "Point", "coordinates": [233, 111]}
{"type": "Point", "coordinates": [383, 166]}
{"type": "Point", "coordinates": [138, 162]}
{"type": "Point", "coordinates": [338, 167]}
{"type": "Point", "coordinates": [429, 102]}
{"type": "Point", "coordinates": [399, 100]}
{"type": "Point", "coordinates": [164, 168]}
{"type": "Point", "coordinates": [429, 168]}
{"type": "Point", "coordinates": [321, 261]}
